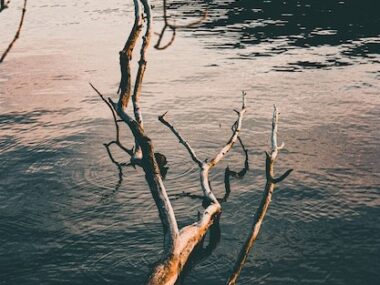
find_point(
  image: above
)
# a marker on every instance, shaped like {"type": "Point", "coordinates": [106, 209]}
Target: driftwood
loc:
{"type": "Point", "coordinates": [179, 244]}
{"type": "Point", "coordinates": [265, 201]}
{"type": "Point", "coordinates": [17, 35]}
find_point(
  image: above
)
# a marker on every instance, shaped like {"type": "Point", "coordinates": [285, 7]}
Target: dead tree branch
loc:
{"type": "Point", "coordinates": [179, 244]}
{"type": "Point", "coordinates": [116, 122]}
{"type": "Point", "coordinates": [17, 35]}
{"type": "Point", "coordinates": [144, 146]}
{"type": "Point", "coordinates": [170, 267]}
{"type": "Point", "coordinates": [265, 201]}
{"type": "Point", "coordinates": [125, 56]}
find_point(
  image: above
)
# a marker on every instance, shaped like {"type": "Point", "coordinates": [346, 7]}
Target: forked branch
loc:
{"type": "Point", "coordinates": [169, 268]}
{"type": "Point", "coordinates": [178, 244]}
{"type": "Point", "coordinates": [265, 201]}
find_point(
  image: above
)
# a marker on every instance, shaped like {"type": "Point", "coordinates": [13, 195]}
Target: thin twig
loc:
{"type": "Point", "coordinates": [181, 140]}
{"type": "Point", "coordinates": [117, 141]}
{"type": "Point", "coordinates": [264, 204]}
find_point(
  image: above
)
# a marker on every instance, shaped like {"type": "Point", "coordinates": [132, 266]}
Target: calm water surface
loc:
{"type": "Point", "coordinates": [62, 219]}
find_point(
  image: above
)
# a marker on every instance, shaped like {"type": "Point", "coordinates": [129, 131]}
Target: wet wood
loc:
{"type": "Point", "coordinates": [179, 244]}
{"type": "Point", "coordinates": [265, 201]}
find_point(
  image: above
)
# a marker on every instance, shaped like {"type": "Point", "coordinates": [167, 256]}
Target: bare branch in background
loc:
{"type": "Point", "coordinates": [173, 27]}
{"type": "Point", "coordinates": [17, 35]}
{"type": "Point", "coordinates": [265, 201]}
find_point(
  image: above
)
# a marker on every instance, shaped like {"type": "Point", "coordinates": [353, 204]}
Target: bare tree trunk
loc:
{"type": "Point", "coordinates": [169, 268]}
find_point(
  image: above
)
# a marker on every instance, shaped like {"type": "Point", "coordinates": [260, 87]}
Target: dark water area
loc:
{"type": "Point", "coordinates": [64, 218]}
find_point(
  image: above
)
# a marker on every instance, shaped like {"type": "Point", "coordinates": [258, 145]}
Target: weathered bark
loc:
{"type": "Point", "coordinates": [265, 201]}
{"type": "Point", "coordinates": [117, 128]}
{"type": "Point", "coordinates": [169, 268]}
{"type": "Point", "coordinates": [179, 245]}
{"type": "Point", "coordinates": [125, 56]}
{"type": "Point", "coordinates": [17, 35]}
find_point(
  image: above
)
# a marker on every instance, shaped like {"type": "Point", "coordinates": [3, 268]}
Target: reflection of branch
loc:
{"type": "Point", "coordinates": [173, 28]}
{"type": "Point", "coordinates": [202, 252]}
{"type": "Point", "coordinates": [17, 33]}
{"type": "Point", "coordinates": [119, 167]}
{"type": "Point", "coordinates": [230, 173]}
{"type": "Point", "coordinates": [265, 201]}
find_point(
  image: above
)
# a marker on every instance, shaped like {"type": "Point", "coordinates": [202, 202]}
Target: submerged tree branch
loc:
{"type": "Point", "coordinates": [265, 201]}
{"type": "Point", "coordinates": [125, 56]}
{"type": "Point", "coordinates": [179, 244]}
{"type": "Point", "coordinates": [169, 268]}
{"type": "Point", "coordinates": [17, 35]}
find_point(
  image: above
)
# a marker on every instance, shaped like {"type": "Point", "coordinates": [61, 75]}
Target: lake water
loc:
{"type": "Point", "coordinates": [64, 220]}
